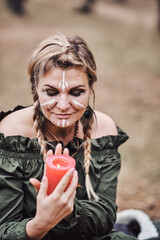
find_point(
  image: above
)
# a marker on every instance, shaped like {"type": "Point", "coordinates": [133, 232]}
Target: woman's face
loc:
{"type": "Point", "coordinates": [63, 95]}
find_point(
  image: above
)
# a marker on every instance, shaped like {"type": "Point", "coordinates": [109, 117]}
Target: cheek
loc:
{"type": "Point", "coordinates": [50, 103]}
{"type": "Point", "coordinates": [47, 104]}
{"type": "Point", "coordinates": [79, 105]}
{"type": "Point", "coordinates": [43, 97]}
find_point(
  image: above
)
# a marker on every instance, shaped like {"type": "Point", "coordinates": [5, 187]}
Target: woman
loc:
{"type": "Point", "coordinates": [62, 73]}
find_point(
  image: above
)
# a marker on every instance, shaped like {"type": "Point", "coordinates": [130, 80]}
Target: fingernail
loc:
{"type": "Point", "coordinates": [71, 171]}
{"type": "Point", "coordinates": [44, 179]}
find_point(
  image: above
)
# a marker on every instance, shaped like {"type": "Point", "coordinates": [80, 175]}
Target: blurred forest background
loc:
{"type": "Point", "coordinates": [125, 40]}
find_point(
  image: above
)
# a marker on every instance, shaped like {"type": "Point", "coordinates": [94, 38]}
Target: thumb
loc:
{"type": "Point", "coordinates": [43, 188]}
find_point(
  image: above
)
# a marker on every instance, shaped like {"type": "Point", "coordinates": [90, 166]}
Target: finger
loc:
{"type": "Point", "coordinates": [66, 152]}
{"type": "Point", "coordinates": [72, 186]}
{"type": "Point", "coordinates": [43, 187]}
{"type": "Point", "coordinates": [60, 188]}
{"type": "Point", "coordinates": [71, 200]}
{"type": "Point", "coordinates": [36, 184]}
{"type": "Point", "coordinates": [71, 206]}
{"type": "Point", "coordinates": [49, 153]}
{"type": "Point", "coordinates": [70, 193]}
{"type": "Point", "coordinates": [58, 149]}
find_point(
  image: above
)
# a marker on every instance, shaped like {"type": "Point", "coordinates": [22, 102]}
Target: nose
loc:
{"type": "Point", "coordinates": [63, 102]}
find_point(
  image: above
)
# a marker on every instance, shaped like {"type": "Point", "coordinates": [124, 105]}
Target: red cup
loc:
{"type": "Point", "coordinates": [56, 167]}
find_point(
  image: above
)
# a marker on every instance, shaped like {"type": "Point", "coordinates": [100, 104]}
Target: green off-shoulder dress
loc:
{"type": "Point", "coordinates": [20, 160]}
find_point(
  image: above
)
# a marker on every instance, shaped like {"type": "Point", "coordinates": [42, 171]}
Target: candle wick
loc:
{"type": "Point", "coordinates": [58, 166]}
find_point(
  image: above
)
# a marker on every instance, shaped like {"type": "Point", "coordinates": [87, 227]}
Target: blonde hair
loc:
{"type": "Point", "coordinates": [64, 52]}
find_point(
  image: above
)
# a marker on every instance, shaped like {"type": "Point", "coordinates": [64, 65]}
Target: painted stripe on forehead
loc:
{"type": "Point", "coordinates": [48, 102]}
{"type": "Point", "coordinates": [63, 84]}
{"type": "Point", "coordinates": [77, 103]}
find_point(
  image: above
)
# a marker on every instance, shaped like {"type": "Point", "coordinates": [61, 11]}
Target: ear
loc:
{"type": "Point", "coordinates": [36, 91]}
{"type": "Point", "coordinates": [91, 84]}
{"type": "Point", "coordinates": [91, 90]}
{"type": "Point", "coordinates": [90, 93]}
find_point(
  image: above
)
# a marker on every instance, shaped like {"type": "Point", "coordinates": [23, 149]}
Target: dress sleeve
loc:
{"type": "Point", "coordinates": [96, 218]}
{"type": "Point", "coordinates": [11, 200]}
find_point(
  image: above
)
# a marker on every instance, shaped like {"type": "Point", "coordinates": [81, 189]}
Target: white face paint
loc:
{"type": "Point", "coordinates": [77, 103]}
{"type": "Point", "coordinates": [48, 102]}
{"type": "Point", "coordinates": [63, 123]}
{"type": "Point", "coordinates": [63, 96]}
{"type": "Point", "coordinates": [63, 84]}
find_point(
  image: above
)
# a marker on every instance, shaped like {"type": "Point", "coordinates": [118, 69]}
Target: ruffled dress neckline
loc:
{"type": "Point", "coordinates": [22, 144]}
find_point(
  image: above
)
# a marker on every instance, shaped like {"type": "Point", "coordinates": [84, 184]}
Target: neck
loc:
{"type": "Point", "coordinates": [53, 132]}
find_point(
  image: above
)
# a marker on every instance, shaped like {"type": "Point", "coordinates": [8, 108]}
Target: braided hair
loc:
{"type": "Point", "coordinates": [64, 52]}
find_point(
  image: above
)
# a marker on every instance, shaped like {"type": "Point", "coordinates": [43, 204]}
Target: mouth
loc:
{"type": "Point", "coordinates": [63, 116]}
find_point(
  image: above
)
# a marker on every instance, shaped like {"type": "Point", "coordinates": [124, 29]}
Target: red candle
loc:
{"type": "Point", "coordinates": [56, 167]}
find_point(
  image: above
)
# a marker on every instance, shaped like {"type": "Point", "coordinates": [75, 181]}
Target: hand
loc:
{"type": "Point", "coordinates": [58, 150]}
{"type": "Point", "coordinates": [53, 208]}
{"type": "Point", "coordinates": [60, 202]}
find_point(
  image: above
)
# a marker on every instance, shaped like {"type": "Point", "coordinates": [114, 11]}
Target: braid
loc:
{"type": "Point", "coordinates": [87, 149]}
{"type": "Point", "coordinates": [38, 124]}
{"type": "Point", "coordinates": [88, 158]}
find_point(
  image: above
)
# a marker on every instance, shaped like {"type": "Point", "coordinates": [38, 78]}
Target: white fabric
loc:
{"type": "Point", "coordinates": [148, 229]}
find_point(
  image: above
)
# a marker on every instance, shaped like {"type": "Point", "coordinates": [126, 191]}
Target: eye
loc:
{"type": "Point", "coordinates": [51, 92]}
{"type": "Point", "coordinates": [76, 92]}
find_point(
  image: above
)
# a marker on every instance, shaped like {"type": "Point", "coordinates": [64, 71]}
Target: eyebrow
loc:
{"type": "Point", "coordinates": [78, 86]}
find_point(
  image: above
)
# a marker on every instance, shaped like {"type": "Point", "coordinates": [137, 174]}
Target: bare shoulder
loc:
{"type": "Point", "coordinates": [104, 125]}
{"type": "Point", "coordinates": [18, 123]}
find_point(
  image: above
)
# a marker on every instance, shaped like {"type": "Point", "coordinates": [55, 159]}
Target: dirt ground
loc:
{"type": "Point", "coordinates": [126, 45]}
